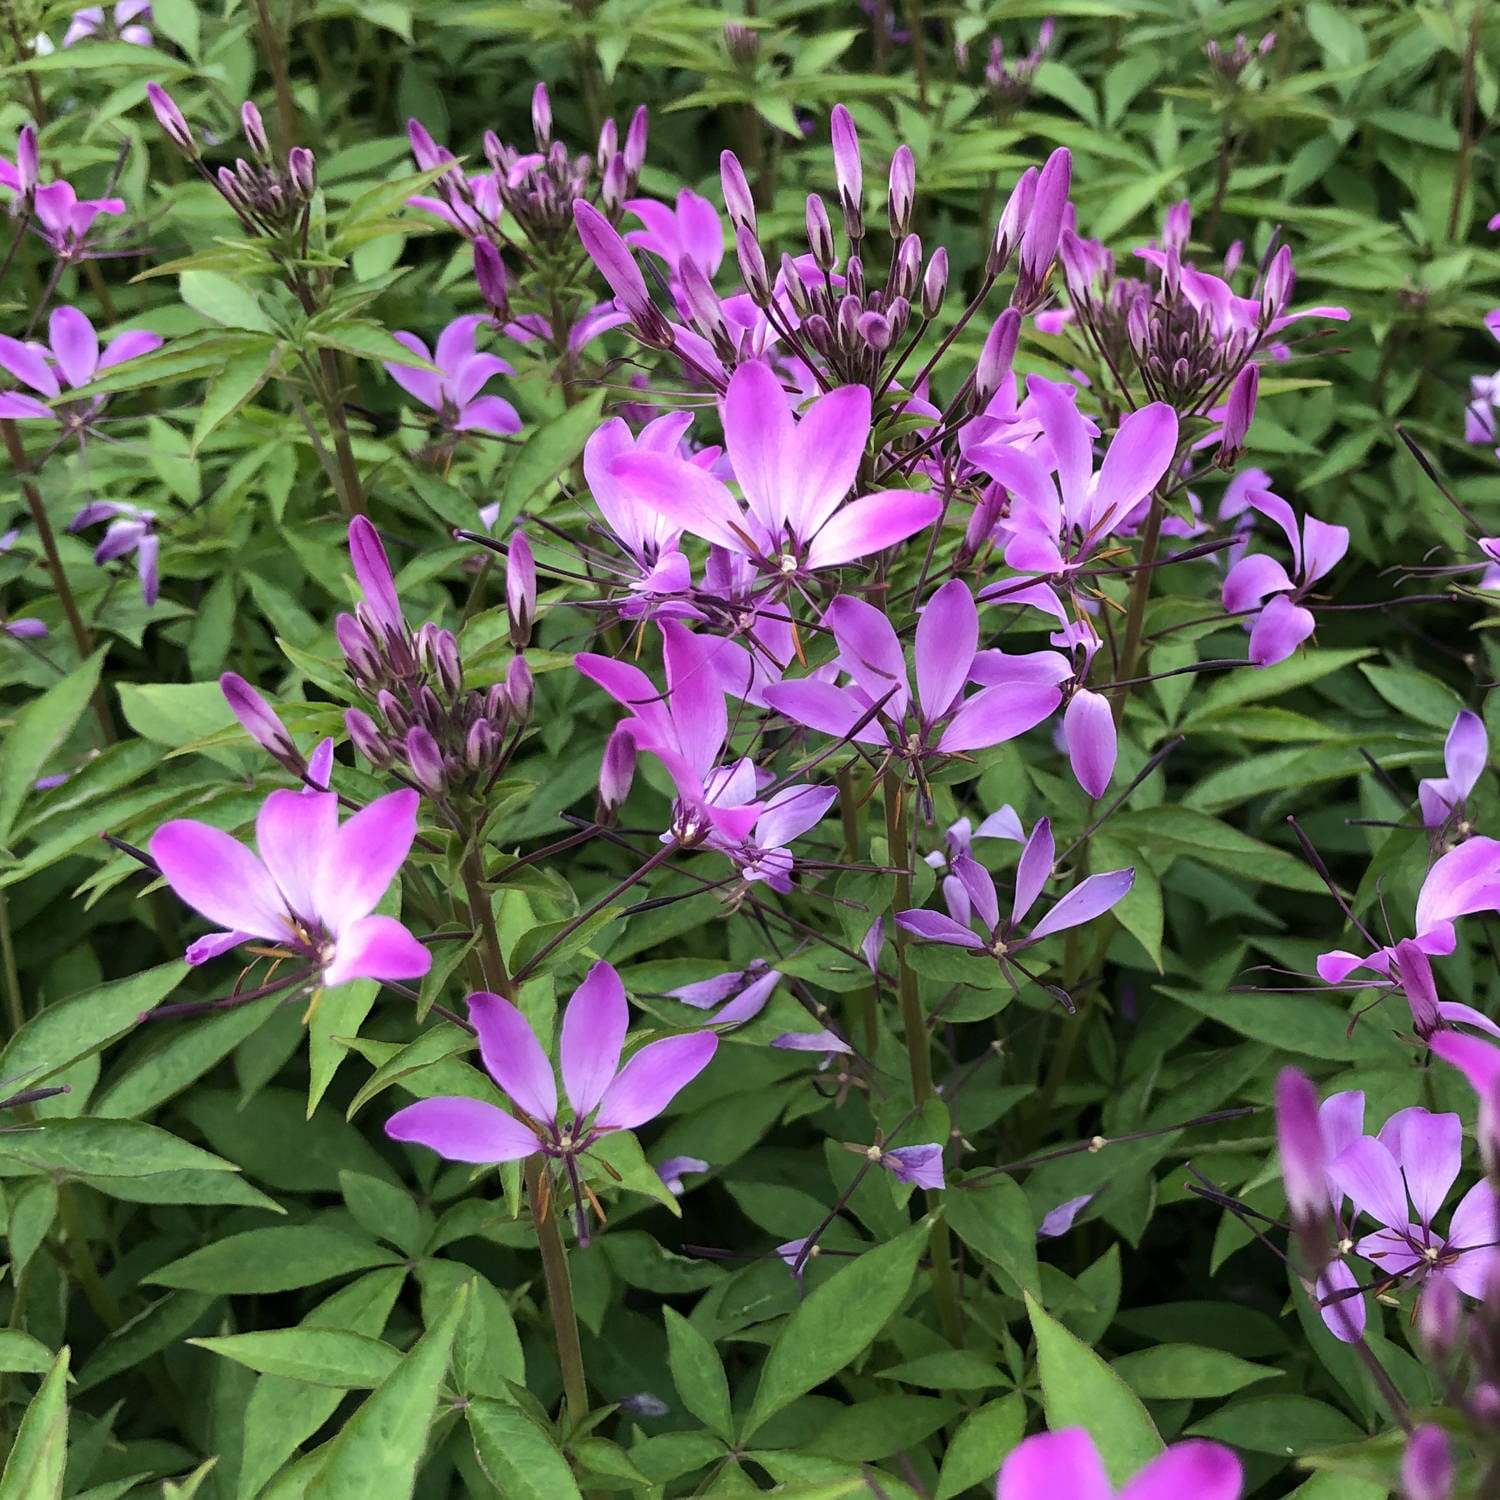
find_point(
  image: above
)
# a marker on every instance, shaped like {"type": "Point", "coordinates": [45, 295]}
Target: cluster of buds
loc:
{"type": "Point", "coordinates": [1009, 83]}
{"type": "Point", "coordinates": [1229, 63]}
{"type": "Point", "coordinates": [741, 43]}
{"type": "Point", "coordinates": [450, 741]}
{"type": "Point", "coordinates": [270, 197]}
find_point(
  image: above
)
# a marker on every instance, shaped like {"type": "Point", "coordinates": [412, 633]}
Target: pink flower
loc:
{"type": "Point", "coordinates": [1054, 1465]}
{"type": "Point", "coordinates": [72, 353]}
{"type": "Point", "coordinates": [452, 390]}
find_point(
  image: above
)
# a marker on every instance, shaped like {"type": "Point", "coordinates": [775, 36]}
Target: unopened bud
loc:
{"type": "Point", "coordinates": [1439, 1312]}
{"type": "Point", "coordinates": [519, 687]}
{"type": "Point", "coordinates": [875, 330]}
{"type": "Point", "coordinates": [1239, 412]}
{"type": "Point", "coordinates": [254, 129]}
{"type": "Point", "coordinates": [635, 142]}
{"type": "Point", "coordinates": [608, 146]}
{"type": "Point", "coordinates": [366, 738]}
{"type": "Point", "coordinates": [520, 589]}
{"type": "Point", "coordinates": [848, 170]}
{"type": "Point", "coordinates": [169, 117]}
{"type": "Point", "coordinates": [1013, 220]}
{"type": "Point", "coordinates": [614, 185]}
{"type": "Point", "coordinates": [1304, 1167]}
{"type": "Point", "coordinates": [794, 288]}
{"type": "Point", "coordinates": [260, 722]}
{"type": "Point", "coordinates": [820, 234]}
{"type": "Point", "coordinates": [447, 663]}
{"type": "Point", "coordinates": [996, 357]}
{"type": "Point", "coordinates": [359, 650]}
{"type": "Point", "coordinates": [393, 711]}
{"type": "Point", "coordinates": [28, 162]}
{"type": "Point", "coordinates": [541, 116]}
{"type": "Point", "coordinates": [738, 201]}
{"type": "Point", "coordinates": [908, 274]}
{"type": "Point", "coordinates": [496, 703]}
{"type": "Point", "coordinates": [302, 168]}
{"type": "Point", "coordinates": [616, 772]}
{"type": "Point", "coordinates": [1427, 1465]}
{"type": "Point", "coordinates": [935, 283]}
{"type": "Point", "coordinates": [489, 272]}
{"type": "Point", "coordinates": [1043, 227]}
{"type": "Point", "coordinates": [480, 745]}
{"type": "Point", "coordinates": [903, 190]}
{"type": "Point", "coordinates": [753, 266]}
{"type": "Point", "coordinates": [702, 304]}
{"type": "Point", "coordinates": [1177, 227]}
{"type": "Point", "coordinates": [1276, 291]}
{"type": "Point", "coordinates": [425, 761]}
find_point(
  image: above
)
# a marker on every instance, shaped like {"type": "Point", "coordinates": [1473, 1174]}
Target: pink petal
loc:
{"type": "Point", "coordinates": [1052, 1465]}
{"type": "Point", "coordinates": [694, 699]}
{"type": "Point", "coordinates": [997, 714]}
{"type": "Point", "coordinates": [688, 498]}
{"type": "Point", "coordinates": [75, 344]}
{"type": "Point", "coordinates": [1249, 581]}
{"type": "Point", "coordinates": [1087, 900]}
{"type": "Point", "coordinates": [1345, 1317]}
{"type": "Point", "coordinates": [425, 385]}
{"type": "Point", "coordinates": [870, 652]}
{"type": "Point", "coordinates": [294, 834]}
{"type": "Point", "coordinates": [1279, 629]}
{"type": "Point", "coordinates": [513, 1056]}
{"type": "Point", "coordinates": [28, 364]}
{"type": "Point", "coordinates": [593, 1031]}
{"type": "Point", "coordinates": [1371, 1176]}
{"type": "Point", "coordinates": [758, 431]}
{"type": "Point", "coordinates": [1204, 1470]}
{"type": "Point", "coordinates": [1034, 870]}
{"type": "Point", "coordinates": [1089, 729]}
{"type": "Point", "coordinates": [824, 456]}
{"type": "Point", "coordinates": [1429, 1150]}
{"type": "Point", "coordinates": [489, 414]}
{"type": "Point", "coordinates": [462, 1130]}
{"type": "Point", "coordinates": [652, 1079]}
{"type": "Point", "coordinates": [821, 706]}
{"type": "Point", "coordinates": [219, 877]}
{"type": "Point", "coordinates": [128, 346]}
{"type": "Point", "coordinates": [1323, 545]}
{"type": "Point", "coordinates": [376, 948]}
{"type": "Point", "coordinates": [1138, 456]}
{"type": "Point", "coordinates": [455, 344]}
{"type": "Point", "coordinates": [1467, 751]}
{"type": "Point", "coordinates": [937, 928]}
{"type": "Point", "coordinates": [1068, 438]}
{"type": "Point", "coordinates": [365, 857]}
{"type": "Point", "coordinates": [871, 524]}
{"type": "Point", "coordinates": [1464, 880]}
{"type": "Point", "coordinates": [947, 638]}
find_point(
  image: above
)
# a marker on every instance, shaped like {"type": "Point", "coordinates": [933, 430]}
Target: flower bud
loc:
{"type": "Point", "coordinates": [614, 186]}
{"type": "Point", "coordinates": [480, 745]}
{"type": "Point", "coordinates": [366, 738]}
{"type": "Point", "coordinates": [1239, 412]}
{"type": "Point", "coordinates": [996, 357]}
{"type": "Point", "coordinates": [28, 162]}
{"type": "Point", "coordinates": [169, 117]}
{"type": "Point", "coordinates": [234, 193]}
{"type": "Point", "coordinates": [254, 129]}
{"type": "Point", "coordinates": [260, 722]}
{"type": "Point", "coordinates": [1043, 227]}
{"type": "Point", "coordinates": [489, 272]}
{"type": "Point", "coordinates": [908, 267]}
{"type": "Point", "coordinates": [903, 190]}
{"type": "Point", "coordinates": [1177, 227]}
{"type": "Point", "coordinates": [935, 283]}
{"type": "Point", "coordinates": [820, 234]}
{"type": "Point", "coordinates": [541, 116]}
{"type": "Point", "coordinates": [393, 711]}
{"type": "Point", "coordinates": [1013, 220]}
{"type": "Point", "coordinates": [607, 149]}
{"type": "Point", "coordinates": [359, 650]}
{"type": "Point", "coordinates": [848, 170]}
{"type": "Point", "coordinates": [519, 687]}
{"type": "Point", "coordinates": [425, 761]}
{"type": "Point", "coordinates": [447, 663]}
{"type": "Point", "coordinates": [520, 589]}
{"type": "Point", "coordinates": [372, 567]}
{"type": "Point", "coordinates": [1276, 290]}
{"type": "Point", "coordinates": [302, 168]}
{"type": "Point", "coordinates": [496, 703]}
{"type": "Point", "coordinates": [1304, 1166]}
{"type": "Point", "coordinates": [875, 331]}
{"type": "Point", "coordinates": [753, 266]}
{"type": "Point", "coordinates": [854, 278]}
{"type": "Point", "coordinates": [635, 142]}
{"type": "Point", "coordinates": [1439, 1314]}
{"type": "Point", "coordinates": [702, 305]}
{"type": "Point", "coordinates": [616, 772]}
{"type": "Point", "coordinates": [738, 201]}
{"type": "Point", "coordinates": [1427, 1465]}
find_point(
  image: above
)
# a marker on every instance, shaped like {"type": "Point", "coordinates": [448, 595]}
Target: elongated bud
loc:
{"type": "Point", "coordinates": [373, 570]}
{"type": "Point", "coordinates": [255, 132]}
{"type": "Point", "coordinates": [361, 653]}
{"type": "Point", "coordinates": [425, 151]}
{"type": "Point", "coordinates": [908, 275]}
{"type": "Point", "coordinates": [608, 146]}
{"type": "Point", "coordinates": [425, 761]}
{"type": "Point", "coordinates": [738, 202]}
{"type": "Point", "coordinates": [28, 161]}
{"type": "Point", "coordinates": [1304, 1167]}
{"type": "Point", "coordinates": [541, 116]}
{"type": "Point", "coordinates": [260, 722]}
{"type": "Point", "coordinates": [302, 168]}
{"type": "Point", "coordinates": [848, 170]}
{"type": "Point", "coordinates": [753, 266]}
{"type": "Point", "coordinates": [1043, 227]}
{"type": "Point", "coordinates": [480, 745]}
{"type": "Point", "coordinates": [635, 142]}
{"type": "Point", "coordinates": [1276, 291]}
{"type": "Point", "coordinates": [903, 191]}
{"type": "Point", "coordinates": [702, 304]}
{"type": "Point", "coordinates": [1014, 218]}
{"type": "Point", "coordinates": [1439, 1315]}
{"type": "Point", "coordinates": [996, 357]}
{"type": "Point", "coordinates": [614, 185]}
{"type": "Point", "coordinates": [820, 233]}
{"type": "Point", "coordinates": [393, 711]}
{"type": "Point", "coordinates": [169, 117]}
{"type": "Point", "coordinates": [617, 772]}
{"type": "Point", "coordinates": [1177, 227]}
{"type": "Point", "coordinates": [935, 283]}
{"type": "Point", "coordinates": [489, 272]}
{"type": "Point", "coordinates": [367, 738]}
{"type": "Point", "coordinates": [520, 589]}
{"type": "Point", "coordinates": [519, 687]}
{"type": "Point", "coordinates": [875, 330]}
{"type": "Point", "coordinates": [1427, 1465]}
{"type": "Point", "coordinates": [611, 255]}
{"type": "Point", "coordinates": [1239, 412]}
{"type": "Point", "coordinates": [447, 663]}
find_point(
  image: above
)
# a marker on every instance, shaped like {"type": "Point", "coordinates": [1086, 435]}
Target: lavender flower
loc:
{"type": "Point", "coordinates": [1051, 1465]}
{"type": "Point", "coordinates": [452, 391]}
{"type": "Point", "coordinates": [922, 1166]}
{"type": "Point", "coordinates": [672, 1170]}
{"type": "Point", "coordinates": [1465, 756]}
{"type": "Point", "coordinates": [1427, 1464]}
{"type": "Point", "coordinates": [130, 530]}
{"type": "Point", "coordinates": [125, 24]}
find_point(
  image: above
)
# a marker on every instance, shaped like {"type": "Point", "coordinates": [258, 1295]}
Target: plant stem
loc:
{"type": "Point", "coordinates": [482, 919]}
{"type": "Point", "coordinates": [351, 491]}
{"type": "Point", "coordinates": [286, 108]}
{"type": "Point", "coordinates": [1140, 592]}
{"type": "Point", "coordinates": [559, 1297]}
{"type": "Point", "coordinates": [913, 1022]}
{"type": "Point", "coordinates": [15, 1010]}
{"type": "Point", "coordinates": [1466, 126]}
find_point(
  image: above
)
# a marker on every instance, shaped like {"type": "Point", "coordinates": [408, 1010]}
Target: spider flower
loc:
{"type": "Point", "coordinates": [312, 890]}
{"type": "Point", "coordinates": [124, 23]}
{"type": "Point", "coordinates": [1066, 1463]}
{"type": "Point", "coordinates": [1465, 756]}
{"type": "Point", "coordinates": [453, 389]}
{"type": "Point", "coordinates": [130, 530]}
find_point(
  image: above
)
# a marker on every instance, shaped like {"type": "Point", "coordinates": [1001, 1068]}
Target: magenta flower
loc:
{"type": "Point", "coordinates": [313, 889]}
{"type": "Point", "coordinates": [602, 1096]}
{"type": "Point", "coordinates": [470, 205]}
{"type": "Point", "coordinates": [877, 708]}
{"type": "Point", "coordinates": [691, 231]}
{"type": "Point", "coordinates": [1259, 583]}
{"type": "Point", "coordinates": [973, 895]}
{"type": "Point", "coordinates": [124, 24]}
{"type": "Point", "coordinates": [1465, 756]}
{"type": "Point", "coordinates": [452, 390]}
{"type": "Point", "coordinates": [795, 475]}
{"type": "Point", "coordinates": [1052, 1465]}
{"type": "Point", "coordinates": [130, 530]}
{"type": "Point", "coordinates": [73, 353]}
{"type": "Point", "coordinates": [1427, 1465]}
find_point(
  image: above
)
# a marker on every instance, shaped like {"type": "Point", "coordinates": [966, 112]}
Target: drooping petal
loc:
{"type": "Point", "coordinates": [1034, 870]}
{"type": "Point", "coordinates": [946, 640]}
{"type": "Point", "coordinates": [1340, 1302]}
{"type": "Point", "coordinates": [1472, 1233]}
{"type": "Point", "coordinates": [593, 1031]}
{"type": "Point", "coordinates": [28, 363]}
{"type": "Point", "coordinates": [937, 928]}
{"type": "Point", "coordinates": [376, 948]}
{"type": "Point", "coordinates": [212, 944]}
{"type": "Point", "coordinates": [130, 345]}
{"type": "Point", "coordinates": [1371, 1176]}
{"type": "Point", "coordinates": [1051, 1465]}
{"type": "Point", "coordinates": [364, 858]}
{"type": "Point", "coordinates": [1089, 729]}
{"type": "Point", "coordinates": [294, 834]}
{"type": "Point", "coordinates": [513, 1056]}
{"type": "Point", "coordinates": [488, 414]}
{"type": "Point", "coordinates": [1087, 900]}
{"type": "Point", "coordinates": [1279, 629]}
{"type": "Point", "coordinates": [1204, 1470]}
{"type": "Point", "coordinates": [1466, 752]}
{"type": "Point", "coordinates": [463, 1130]}
{"type": "Point", "coordinates": [220, 878]}
{"type": "Point", "coordinates": [425, 385]}
{"type": "Point", "coordinates": [1323, 545]}
{"type": "Point", "coordinates": [75, 344]}
{"type": "Point", "coordinates": [1463, 881]}
{"type": "Point", "coordinates": [871, 524]}
{"type": "Point", "coordinates": [921, 1166]}
{"type": "Point", "coordinates": [998, 714]}
{"type": "Point", "coordinates": [821, 706]}
{"type": "Point", "coordinates": [1251, 579]}
{"type": "Point", "coordinates": [790, 813]}
{"type": "Point", "coordinates": [653, 1078]}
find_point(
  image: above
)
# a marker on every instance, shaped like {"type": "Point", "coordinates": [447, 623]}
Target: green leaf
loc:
{"type": "Point", "coordinates": [240, 378]}
{"type": "Point", "coordinates": [181, 715]}
{"type": "Point", "coordinates": [1169, 1371]}
{"type": "Point", "coordinates": [1281, 1425]}
{"type": "Point", "coordinates": [838, 1320]}
{"type": "Point", "coordinates": [24, 1354]}
{"type": "Point", "coordinates": [699, 1375]}
{"type": "Point", "coordinates": [1080, 1390]}
{"type": "Point", "coordinates": [996, 1222]}
{"type": "Point", "coordinates": [553, 447]}
{"type": "Point", "coordinates": [230, 304]}
{"type": "Point", "coordinates": [88, 1147]}
{"type": "Point", "coordinates": [38, 731]}
{"type": "Point", "coordinates": [278, 1259]}
{"type": "Point", "coordinates": [521, 1461]}
{"type": "Point", "coordinates": [378, 1449]}
{"type": "Point", "coordinates": [366, 341]}
{"type": "Point", "coordinates": [1235, 688]}
{"type": "Point", "coordinates": [979, 1446]}
{"type": "Point", "coordinates": [317, 1356]}
{"type": "Point", "coordinates": [34, 1469]}
{"type": "Point", "coordinates": [385, 1211]}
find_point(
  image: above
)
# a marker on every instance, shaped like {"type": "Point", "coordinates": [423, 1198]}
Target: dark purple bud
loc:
{"type": "Point", "coordinates": [1239, 412]}
{"type": "Point", "coordinates": [615, 184]}
{"type": "Point", "coordinates": [1045, 222]}
{"type": "Point", "coordinates": [393, 711]}
{"type": "Point", "coordinates": [899, 314]}
{"type": "Point", "coordinates": [996, 357]}
{"type": "Point", "coordinates": [366, 738]}
{"type": "Point", "coordinates": [908, 275]}
{"type": "Point", "coordinates": [447, 663]}
{"type": "Point", "coordinates": [1014, 218]}
{"type": "Point", "coordinates": [935, 283]}
{"type": "Point", "coordinates": [169, 117]}
{"type": "Point", "coordinates": [425, 761]}
{"type": "Point", "coordinates": [848, 170]}
{"type": "Point", "coordinates": [255, 131]}
{"type": "Point", "coordinates": [1427, 1465]}
{"type": "Point", "coordinates": [850, 311]}
{"type": "Point", "coordinates": [875, 330]}
{"type": "Point", "coordinates": [28, 161]}
{"type": "Point", "coordinates": [635, 142]}
{"type": "Point", "coordinates": [541, 116]}
{"type": "Point", "coordinates": [234, 194]}
{"type": "Point", "coordinates": [753, 266]}
{"type": "Point", "coordinates": [480, 745]}
{"type": "Point", "coordinates": [1304, 1166]}
{"type": "Point", "coordinates": [1276, 292]}
{"type": "Point", "coordinates": [819, 333]}
{"type": "Point", "coordinates": [519, 687]}
{"type": "Point", "coordinates": [359, 650]}
{"type": "Point", "coordinates": [703, 304]}
{"type": "Point", "coordinates": [820, 233]}
{"type": "Point", "coordinates": [854, 278]}
{"type": "Point", "coordinates": [617, 771]}
{"type": "Point", "coordinates": [1439, 1314]}
{"type": "Point", "coordinates": [260, 722]}
{"type": "Point", "coordinates": [302, 168]}
{"type": "Point", "coordinates": [794, 287]}
{"type": "Point", "coordinates": [520, 589]}
{"type": "Point", "coordinates": [489, 272]}
{"type": "Point", "coordinates": [903, 190]}
{"type": "Point", "coordinates": [738, 201]}
{"type": "Point", "coordinates": [496, 703]}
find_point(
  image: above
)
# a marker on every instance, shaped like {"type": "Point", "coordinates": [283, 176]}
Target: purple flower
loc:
{"type": "Point", "coordinates": [1304, 1155]}
{"type": "Point", "coordinates": [313, 890]}
{"type": "Point", "coordinates": [825, 1041]}
{"type": "Point", "coordinates": [973, 895]}
{"type": "Point", "coordinates": [1282, 624]}
{"type": "Point", "coordinates": [877, 707]}
{"type": "Point", "coordinates": [257, 718]}
{"type": "Point", "coordinates": [130, 530]}
{"type": "Point", "coordinates": [602, 1096]}
{"type": "Point", "coordinates": [471, 205]}
{"type": "Point", "coordinates": [1059, 1220]}
{"type": "Point", "coordinates": [742, 993]}
{"type": "Point", "coordinates": [672, 1169]}
{"type": "Point", "coordinates": [1465, 756]}
{"type": "Point", "coordinates": [124, 24]}
{"type": "Point", "coordinates": [794, 475]}
{"type": "Point", "coordinates": [24, 630]}
{"type": "Point", "coordinates": [72, 353]}
{"type": "Point", "coordinates": [452, 390]}
{"type": "Point", "coordinates": [1427, 1464]}
{"type": "Point", "coordinates": [1417, 1155]}
{"type": "Point", "coordinates": [922, 1166]}
{"type": "Point", "coordinates": [1052, 1465]}
{"type": "Point", "coordinates": [691, 231]}
{"type": "Point", "coordinates": [1479, 1062]}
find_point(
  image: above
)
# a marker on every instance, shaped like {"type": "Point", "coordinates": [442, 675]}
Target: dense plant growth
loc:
{"type": "Point", "coordinates": [749, 752]}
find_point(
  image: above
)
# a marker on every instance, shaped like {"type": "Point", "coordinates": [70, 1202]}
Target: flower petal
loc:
{"type": "Point", "coordinates": [652, 1079]}
{"type": "Point", "coordinates": [822, 460]}
{"type": "Point", "coordinates": [1034, 870]}
{"type": "Point", "coordinates": [365, 856]}
{"type": "Point", "coordinates": [1089, 729]}
{"type": "Point", "coordinates": [219, 877]}
{"type": "Point", "coordinates": [997, 714]}
{"type": "Point", "coordinates": [376, 948]}
{"type": "Point", "coordinates": [947, 638]}
{"type": "Point", "coordinates": [1368, 1172]}
{"type": "Point", "coordinates": [937, 928]}
{"type": "Point", "coordinates": [1087, 900]}
{"type": "Point", "coordinates": [513, 1056]}
{"type": "Point", "coordinates": [871, 524]}
{"type": "Point", "coordinates": [593, 1031]}
{"type": "Point", "coordinates": [1051, 1465]}
{"type": "Point", "coordinates": [759, 433]}
{"type": "Point", "coordinates": [294, 834]}
{"type": "Point", "coordinates": [1204, 1470]}
{"type": "Point", "coordinates": [462, 1130]}
{"type": "Point", "coordinates": [74, 343]}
